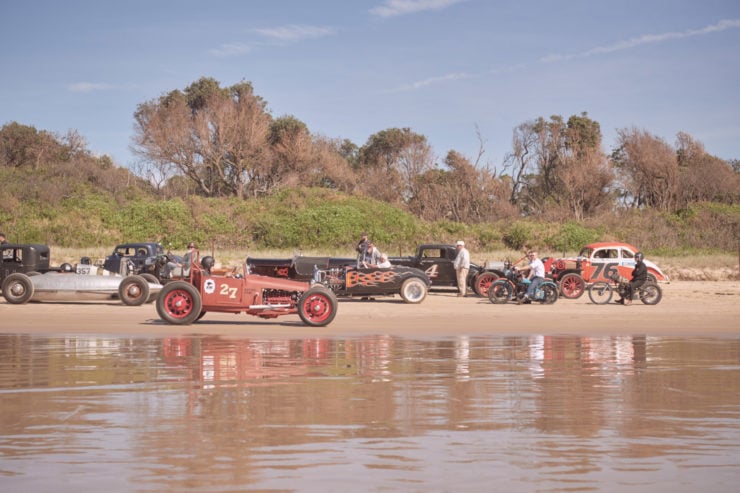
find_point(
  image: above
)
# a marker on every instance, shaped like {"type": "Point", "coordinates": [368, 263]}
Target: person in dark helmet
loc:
{"type": "Point", "coordinates": [639, 276]}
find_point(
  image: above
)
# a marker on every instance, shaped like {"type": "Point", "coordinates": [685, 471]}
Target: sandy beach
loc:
{"type": "Point", "coordinates": [688, 307]}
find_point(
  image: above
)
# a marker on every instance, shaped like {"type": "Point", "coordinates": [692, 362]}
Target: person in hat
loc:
{"type": "Point", "coordinates": [462, 266]}
{"type": "Point", "coordinates": [362, 244]}
{"type": "Point", "coordinates": [536, 275]}
{"type": "Point", "coordinates": [371, 257]}
{"type": "Point", "coordinates": [182, 269]}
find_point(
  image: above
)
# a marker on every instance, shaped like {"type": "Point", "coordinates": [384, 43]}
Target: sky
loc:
{"type": "Point", "coordinates": [463, 73]}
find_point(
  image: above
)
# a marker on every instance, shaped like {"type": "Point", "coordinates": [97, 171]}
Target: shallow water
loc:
{"type": "Point", "coordinates": [539, 413]}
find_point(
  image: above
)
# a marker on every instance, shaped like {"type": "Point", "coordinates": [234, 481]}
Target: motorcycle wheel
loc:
{"type": "Point", "coordinates": [600, 293]}
{"type": "Point", "coordinates": [499, 292]}
{"type": "Point", "coordinates": [549, 294]}
{"type": "Point", "coordinates": [650, 293]}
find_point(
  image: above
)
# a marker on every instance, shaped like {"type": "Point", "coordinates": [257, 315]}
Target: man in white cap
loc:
{"type": "Point", "coordinates": [462, 266]}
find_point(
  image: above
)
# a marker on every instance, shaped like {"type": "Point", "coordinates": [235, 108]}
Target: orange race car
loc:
{"type": "Point", "coordinates": [597, 262]}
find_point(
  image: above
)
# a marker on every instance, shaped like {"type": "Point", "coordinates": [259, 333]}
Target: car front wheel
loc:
{"type": "Point", "coordinates": [413, 290]}
{"type": "Point", "coordinates": [179, 303]}
{"type": "Point", "coordinates": [17, 288]}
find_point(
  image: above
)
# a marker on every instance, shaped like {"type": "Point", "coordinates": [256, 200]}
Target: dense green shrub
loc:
{"type": "Point", "coordinates": [323, 220]}
{"type": "Point", "coordinates": [572, 236]}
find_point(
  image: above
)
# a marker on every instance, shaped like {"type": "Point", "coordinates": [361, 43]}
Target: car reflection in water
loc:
{"type": "Point", "coordinates": [207, 413]}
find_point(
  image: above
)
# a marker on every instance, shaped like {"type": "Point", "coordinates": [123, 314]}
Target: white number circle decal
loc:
{"type": "Point", "coordinates": [209, 286]}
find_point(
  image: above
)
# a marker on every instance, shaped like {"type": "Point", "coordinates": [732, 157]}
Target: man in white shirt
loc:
{"type": "Point", "coordinates": [384, 262]}
{"type": "Point", "coordinates": [462, 266]}
{"type": "Point", "coordinates": [536, 275]}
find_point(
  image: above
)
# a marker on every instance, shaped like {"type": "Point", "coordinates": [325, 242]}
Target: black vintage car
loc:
{"type": "Point", "coordinates": [436, 260]}
{"type": "Point", "coordinates": [345, 279]}
{"type": "Point", "coordinates": [136, 258]}
{"type": "Point", "coordinates": [24, 258]}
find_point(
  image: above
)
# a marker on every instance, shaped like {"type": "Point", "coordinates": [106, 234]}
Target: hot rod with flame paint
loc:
{"type": "Point", "coordinates": [345, 279]}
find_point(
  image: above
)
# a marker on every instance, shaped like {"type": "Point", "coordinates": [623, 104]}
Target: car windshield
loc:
{"type": "Point", "coordinates": [586, 252]}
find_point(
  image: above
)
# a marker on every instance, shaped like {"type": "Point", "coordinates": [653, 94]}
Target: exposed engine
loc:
{"type": "Point", "coordinates": [279, 297]}
{"type": "Point", "coordinates": [333, 279]}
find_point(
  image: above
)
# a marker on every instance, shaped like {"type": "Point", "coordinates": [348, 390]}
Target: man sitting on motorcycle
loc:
{"type": "Point", "coordinates": [536, 275]}
{"type": "Point", "coordinates": [639, 276]}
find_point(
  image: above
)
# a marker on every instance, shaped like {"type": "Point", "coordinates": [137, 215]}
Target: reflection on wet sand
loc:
{"type": "Point", "coordinates": [211, 413]}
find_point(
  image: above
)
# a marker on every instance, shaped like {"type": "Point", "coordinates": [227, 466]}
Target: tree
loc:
{"type": "Point", "coordinates": [648, 168]}
{"type": "Point", "coordinates": [703, 177]}
{"type": "Point", "coordinates": [558, 164]}
{"type": "Point", "coordinates": [390, 162]}
{"type": "Point", "coordinates": [215, 137]}
{"type": "Point", "coordinates": [463, 192]}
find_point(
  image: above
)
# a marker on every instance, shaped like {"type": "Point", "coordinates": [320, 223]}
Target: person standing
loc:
{"type": "Point", "coordinates": [371, 257]}
{"type": "Point", "coordinates": [3, 240]}
{"type": "Point", "coordinates": [462, 266]}
{"type": "Point", "coordinates": [361, 248]}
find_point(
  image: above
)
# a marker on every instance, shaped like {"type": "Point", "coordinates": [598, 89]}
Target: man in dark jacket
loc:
{"type": "Point", "coordinates": [639, 276]}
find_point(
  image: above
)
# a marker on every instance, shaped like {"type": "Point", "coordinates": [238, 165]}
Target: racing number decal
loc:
{"type": "Point", "coordinates": [228, 291]}
{"type": "Point", "coordinates": [608, 271]}
{"type": "Point", "coordinates": [209, 287]}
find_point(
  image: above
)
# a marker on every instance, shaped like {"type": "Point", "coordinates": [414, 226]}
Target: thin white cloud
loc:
{"type": "Point", "coordinates": [295, 32]}
{"type": "Point", "coordinates": [393, 8]}
{"type": "Point", "coordinates": [645, 39]}
{"type": "Point", "coordinates": [230, 49]}
{"type": "Point", "coordinates": [434, 80]}
{"type": "Point", "coordinates": [89, 87]}
{"type": "Point", "coordinates": [622, 45]}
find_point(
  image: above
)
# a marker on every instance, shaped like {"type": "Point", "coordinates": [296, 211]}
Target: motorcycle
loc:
{"type": "Point", "coordinates": [601, 292]}
{"type": "Point", "coordinates": [514, 286]}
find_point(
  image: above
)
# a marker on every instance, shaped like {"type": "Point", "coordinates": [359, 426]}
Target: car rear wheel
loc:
{"type": "Point", "coordinates": [151, 279]}
{"type": "Point", "coordinates": [133, 290]}
{"type": "Point", "coordinates": [179, 303]}
{"type": "Point", "coordinates": [413, 290]}
{"type": "Point", "coordinates": [17, 288]}
{"type": "Point", "coordinates": [317, 307]}
{"type": "Point", "coordinates": [483, 283]}
{"type": "Point", "coordinates": [572, 286]}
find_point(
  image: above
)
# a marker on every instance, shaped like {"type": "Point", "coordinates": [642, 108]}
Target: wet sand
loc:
{"type": "Point", "coordinates": [688, 307]}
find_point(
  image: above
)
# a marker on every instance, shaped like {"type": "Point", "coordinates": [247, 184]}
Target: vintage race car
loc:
{"type": "Point", "coordinates": [19, 288]}
{"type": "Point", "coordinates": [345, 279]}
{"type": "Point", "coordinates": [597, 262]}
{"type": "Point", "coordinates": [188, 299]}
